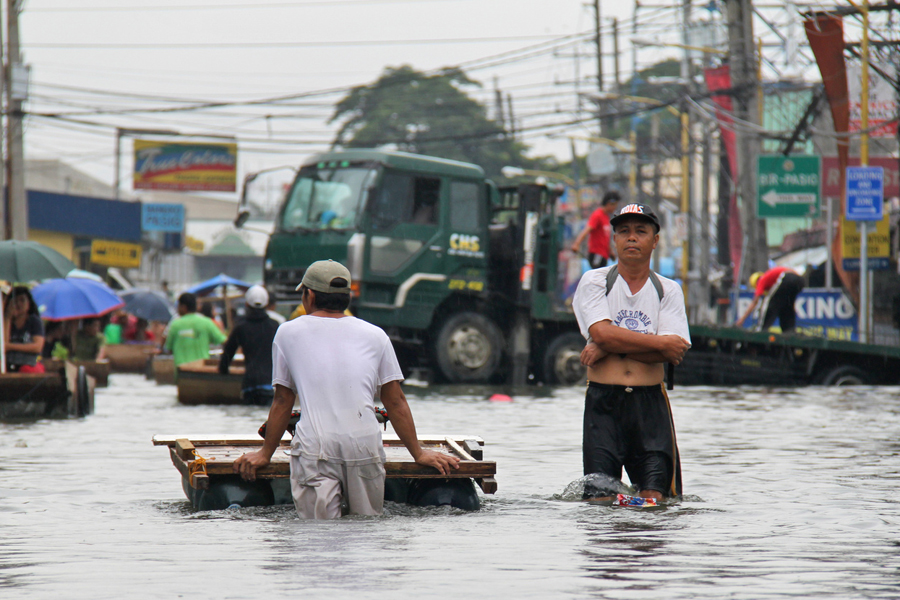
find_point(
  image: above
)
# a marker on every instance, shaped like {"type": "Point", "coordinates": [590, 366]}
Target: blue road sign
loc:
{"type": "Point", "coordinates": [162, 217]}
{"type": "Point", "coordinates": [865, 193]}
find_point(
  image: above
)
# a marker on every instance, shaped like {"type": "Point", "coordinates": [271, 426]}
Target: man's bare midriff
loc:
{"type": "Point", "coordinates": [615, 370]}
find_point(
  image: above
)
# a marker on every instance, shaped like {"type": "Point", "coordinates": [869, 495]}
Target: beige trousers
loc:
{"type": "Point", "coordinates": [324, 490]}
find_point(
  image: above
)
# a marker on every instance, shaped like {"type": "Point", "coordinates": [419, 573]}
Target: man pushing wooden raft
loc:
{"type": "Point", "coordinates": [336, 366]}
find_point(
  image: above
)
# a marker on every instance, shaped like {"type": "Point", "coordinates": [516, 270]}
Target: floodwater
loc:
{"type": "Point", "coordinates": [790, 493]}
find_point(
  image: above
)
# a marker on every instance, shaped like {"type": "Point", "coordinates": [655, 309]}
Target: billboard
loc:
{"type": "Point", "coordinates": [116, 254]}
{"type": "Point", "coordinates": [882, 101]}
{"type": "Point", "coordinates": [821, 312]}
{"type": "Point", "coordinates": [185, 166]}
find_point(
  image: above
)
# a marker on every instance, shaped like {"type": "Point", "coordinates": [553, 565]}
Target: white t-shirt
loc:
{"type": "Point", "coordinates": [642, 312]}
{"type": "Point", "coordinates": [336, 367]}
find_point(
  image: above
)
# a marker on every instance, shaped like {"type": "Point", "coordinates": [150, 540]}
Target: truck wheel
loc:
{"type": "Point", "coordinates": [562, 360]}
{"type": "Point", "coordinates": [468, 348]}
{"type": "Point", "coordinates": [845, 375]}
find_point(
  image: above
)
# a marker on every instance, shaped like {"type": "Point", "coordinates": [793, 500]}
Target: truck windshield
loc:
{"type": "Point", "coordinates": [326, 198]}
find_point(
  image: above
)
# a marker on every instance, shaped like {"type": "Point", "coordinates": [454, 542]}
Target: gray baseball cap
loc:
{"type": "Point", "coordinates": [321, 275]}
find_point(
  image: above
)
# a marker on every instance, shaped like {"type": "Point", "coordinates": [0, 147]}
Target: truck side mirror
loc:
{"type": "Point", "coordinates": [241, 218]}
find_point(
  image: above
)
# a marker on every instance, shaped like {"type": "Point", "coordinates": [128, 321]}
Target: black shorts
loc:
{"type": "Point", "coordinates": [631, 427]}
{"type": "Point", "coordinates": [779, 303]}
{"type": "Point", "coordinates": [597, 261]}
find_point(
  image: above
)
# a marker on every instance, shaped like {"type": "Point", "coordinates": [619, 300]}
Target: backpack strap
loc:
{"type": "Point", "coordinates": [613, 273]}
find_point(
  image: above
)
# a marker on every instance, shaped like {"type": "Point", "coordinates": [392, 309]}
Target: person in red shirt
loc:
{"type": "Point", "coordinates": [600, 250]}
{"type": "Point", "coordinates": [780, 286]}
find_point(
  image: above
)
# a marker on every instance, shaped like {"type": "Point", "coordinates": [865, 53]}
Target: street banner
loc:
{"type": "Point", "coordinates": [185, 167]}
{"type": "Point", "coordinates": [116, 254]}
{"type": "Point", "coordinates": [821, 312]}
{"type": "Point", "coordinates": [719, 79]}
{"type": "Point", "coordinates": [882, 101]}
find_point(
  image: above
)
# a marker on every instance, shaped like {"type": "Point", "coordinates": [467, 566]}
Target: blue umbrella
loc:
{"type": "Point", "coordinates": [74, 298]}
{"type": "Point", "coordinates": [148, 304]}
{"type": "Point", "coordinates": [206, 287]}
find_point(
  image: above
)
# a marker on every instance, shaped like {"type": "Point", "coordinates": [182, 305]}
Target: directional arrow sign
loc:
{"type": "Point", "coordinates": [788, 186]}
{"type": "Point", "coordinates": [773, 199]}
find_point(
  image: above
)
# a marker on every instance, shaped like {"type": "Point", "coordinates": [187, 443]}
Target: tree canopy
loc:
{"type": "Point", "coordinates": [426, 114]}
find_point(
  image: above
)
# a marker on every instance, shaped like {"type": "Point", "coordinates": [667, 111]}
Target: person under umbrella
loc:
{"type": "Point", "coordinates": [89, 342]}
{"type": "Point", "coordinates": [27, 261]}
{"type": "Point", "coordinates": [24, 332]}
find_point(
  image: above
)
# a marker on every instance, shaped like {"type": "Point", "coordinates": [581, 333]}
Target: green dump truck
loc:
{"type": "Point", "coordinates": [462, 275]}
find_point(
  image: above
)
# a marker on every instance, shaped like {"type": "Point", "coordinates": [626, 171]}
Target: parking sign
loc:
{"type": "Point", "coordinates": [865, 194]}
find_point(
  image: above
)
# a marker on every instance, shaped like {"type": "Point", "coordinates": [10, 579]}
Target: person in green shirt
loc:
{"type": "Point", "coordinates": [191, 334]}
{"type": "Point", "coordinates": [89, 342]}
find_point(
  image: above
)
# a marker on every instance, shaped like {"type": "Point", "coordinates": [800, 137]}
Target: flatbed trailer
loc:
{"type": "Point", "coordinates": [735, 356]}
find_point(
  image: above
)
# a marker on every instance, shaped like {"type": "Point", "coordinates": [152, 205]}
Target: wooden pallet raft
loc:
{"type": "Point", "coordinates": [202, 458]}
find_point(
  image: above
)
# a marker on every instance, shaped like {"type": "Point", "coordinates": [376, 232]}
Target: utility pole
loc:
{"type": "Point", "coordinates": [704, 209]}
{"type": "Point", "coordinates": [4, 205]}
{"type": "Point", "coordinates": [615, 32]}
{"type": "Point", "coordinates": [18, 204]}
{"type": "Point", "coordinates": [498, 105]}
{"type": "Point", "coordinates": [744, 80]}
{"type": "Point", "coordinates": [686, 41]}
{"type": "Point", "coordinates": [599, 49]}
{"type": "Point", "coordinates": [655, 156]}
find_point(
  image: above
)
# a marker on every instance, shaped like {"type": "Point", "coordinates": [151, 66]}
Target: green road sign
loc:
{"type": "Point", "coordinates": [788, 186]}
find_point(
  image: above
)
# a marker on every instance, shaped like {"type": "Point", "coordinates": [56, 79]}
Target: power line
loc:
{"type": "Point", "coordinates": [317, 44]}
{"type": "Point", "coordinates": [194, 7]}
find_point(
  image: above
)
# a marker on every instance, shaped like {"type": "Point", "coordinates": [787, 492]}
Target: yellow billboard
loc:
{"type": "Point", "coordinates": [116, 254]}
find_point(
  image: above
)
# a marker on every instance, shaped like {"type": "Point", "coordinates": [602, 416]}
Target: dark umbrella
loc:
{"type": "Point", "coordinates": [28, 261]}
{"type": "Point", "coordinates": [148, 304]}
{"type": "Point", "coordinates": [74, 298]}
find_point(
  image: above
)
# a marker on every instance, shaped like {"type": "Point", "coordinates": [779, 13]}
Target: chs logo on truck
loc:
{"type": "Point", "coordinates": [465, 245]}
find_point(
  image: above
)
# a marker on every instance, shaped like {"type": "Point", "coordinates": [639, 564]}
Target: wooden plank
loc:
{"type": "Point", "coordinates": [476, 468]}
{"type": "Point", "coordinates": [215, 440]}
{"type": "Point", "coordinates": [488, 485]}
{"type": "Point", "coordinates": [71, 374]}
{"type": "Point", "coordinates": [458, 449]}
{"type": "Point", "coordinates": [474, 448]}
{"type": "Point", "coordinates": [199, 481]}
{"type": "Point", "coordinates": [180, 464]}
{"type": "Point", "coordinates": [220, 439]}
{"type": "Point", "coordinates": [219, 461]}
{"type": "Point", "coordinates": [184, 448]}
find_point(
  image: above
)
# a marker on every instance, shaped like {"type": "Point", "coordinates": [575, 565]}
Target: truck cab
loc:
{"type": "Point", "coordinates": [447, 264]}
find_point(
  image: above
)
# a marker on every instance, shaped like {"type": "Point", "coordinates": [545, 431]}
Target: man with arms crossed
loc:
{"type": "Point", "coordinates": [632, 331]}
{"type": "Point", "coordinates": [336, 365]}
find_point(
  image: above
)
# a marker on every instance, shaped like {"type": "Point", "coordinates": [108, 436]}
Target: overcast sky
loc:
{"type": "Point", "coordinates": [93, 57]}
